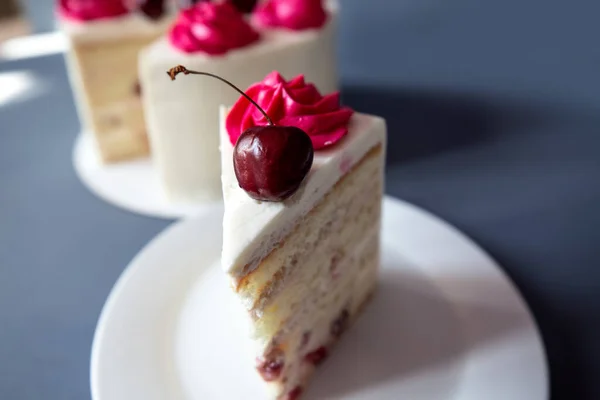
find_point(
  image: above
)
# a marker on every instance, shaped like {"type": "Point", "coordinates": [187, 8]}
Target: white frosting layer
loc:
{"type": "Point", "coordinates": [182, 117]}
{"type": "Point", "coordinates": [127, 26]}
{"type": "Point", "coordinates": [252, 228]}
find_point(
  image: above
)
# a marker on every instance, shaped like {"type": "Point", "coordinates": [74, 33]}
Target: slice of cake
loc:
{"type": "Point", "coordinates": [182, 117]}
{"type": "Point", "coordinates": [105, 37]}
{"type": "Point", "coordinates": [302, 221]}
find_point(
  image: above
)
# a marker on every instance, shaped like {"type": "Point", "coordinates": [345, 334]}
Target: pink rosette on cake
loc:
{"type": "Point", "coordinates": [291, 103]}
{"type": "Point", "coordinates": [291, 14]}
{"type": "Point", "coordinates": [88, 10]}
{"type": "Point", "coordinates": [212, 28]}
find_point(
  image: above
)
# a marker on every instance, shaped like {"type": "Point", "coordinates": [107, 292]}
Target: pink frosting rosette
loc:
{"type": "Point", "coordinates": [212, 28]}
{"type": "Point", "coordinates": [291, 14]}
{"type": "Point", "coordinates": [88, 10]}
{"type": "Point", "coordinates": [291, 103]}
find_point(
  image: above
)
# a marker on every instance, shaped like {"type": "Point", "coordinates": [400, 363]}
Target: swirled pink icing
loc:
{"type": "Point", "coordinates": [88, 10]}
{"type": "Point", "coordinates": [212, 28]}
{"type": "Point", "coordinates": [291, 103]}
{"type": "Point", "coordinates": [291, 14]}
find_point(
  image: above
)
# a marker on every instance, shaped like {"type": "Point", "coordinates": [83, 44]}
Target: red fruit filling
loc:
{"type": "Point", "coordinates": [333, 266]}
{"type": "Point", "coordinates": [317, 356]}
{"type": "Point", "coordinates": [137, 89]}
{"type": "Point", "coordinates": [294, 394]}
{"type": "Point", "coordinates": [340, 324]}
{"type": "Point", "coordinates": [271, 365]}
{"type": "Point", "coordinates": [305, 339]}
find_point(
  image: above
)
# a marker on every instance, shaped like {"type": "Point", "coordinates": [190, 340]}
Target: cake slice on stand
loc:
{"type": "Point", "coordinates": [302, 183]}
{"type": "Point", "coordinates": [182, 118]}
{"type": "Point", "coordinates": [104, 38]}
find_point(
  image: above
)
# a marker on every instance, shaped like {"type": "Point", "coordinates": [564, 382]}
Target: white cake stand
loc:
{"type": "Point", "coordinates": [133, 186]}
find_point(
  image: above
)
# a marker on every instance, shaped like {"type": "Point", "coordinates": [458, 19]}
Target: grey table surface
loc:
{"type": "Point", "coordinates": [494, 123]}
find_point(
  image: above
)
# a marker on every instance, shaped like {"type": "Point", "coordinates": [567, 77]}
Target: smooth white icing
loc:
{"type": "Point", "coordinates": [251, 228]}
{"type": "Point", "coordinates": [127, 26]}
{"type": "Point", "coordinates": [182, 117]}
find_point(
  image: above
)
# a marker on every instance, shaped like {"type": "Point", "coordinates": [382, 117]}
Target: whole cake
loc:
{"type": "Point", "coordinates": [105, 37]}
{"type": "Point", "coordinates": [302, 185]}
{"type": "Point", "coordinates": [290, 36]}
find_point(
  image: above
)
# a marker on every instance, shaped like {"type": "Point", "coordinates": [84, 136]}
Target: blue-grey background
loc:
{"type": "Point", "coordinates": [494, 122]}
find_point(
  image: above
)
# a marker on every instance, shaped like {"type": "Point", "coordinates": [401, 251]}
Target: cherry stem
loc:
{"type": "Point", "coordinates": [173, 72]}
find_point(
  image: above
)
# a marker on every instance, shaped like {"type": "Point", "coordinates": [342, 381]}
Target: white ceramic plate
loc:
{"type": "Point", "coordinates": [445, 324]}
{"type": "Point", "coordinates": [132, 185]}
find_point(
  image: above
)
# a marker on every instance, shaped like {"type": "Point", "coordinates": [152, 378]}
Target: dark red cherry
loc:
{"type": "Point", "coordinates": [153, 9]}
{"type": "Point", "coordinates": [244, 6]}
{"type": "Point", "coordinates": [270, 162]}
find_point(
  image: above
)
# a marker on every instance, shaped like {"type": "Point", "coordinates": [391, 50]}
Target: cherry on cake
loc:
{"type": "Point", "coordinates": [290, 36]}
{"type": "Point", "coordinates": [105, 37]}
{"type": "Point", "coordinates": [302, 181]}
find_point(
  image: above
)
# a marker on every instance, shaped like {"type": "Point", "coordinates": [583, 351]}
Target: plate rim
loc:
{"type": "Point", "coordinates": [124, 277]}
{"type": "Point", "coordinates": [135, 265]}
{"type": "Point", "coordinates": [83, 149]}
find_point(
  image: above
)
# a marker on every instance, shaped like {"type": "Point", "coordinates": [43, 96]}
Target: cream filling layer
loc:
{"type": "Point", "coordinates": [311, 326]}
{"type": "Point", "coordinates": [311, 289]}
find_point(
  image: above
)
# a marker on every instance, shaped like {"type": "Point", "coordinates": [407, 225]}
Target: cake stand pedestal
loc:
{"type": "Point", "coordinates": [133, 185]}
